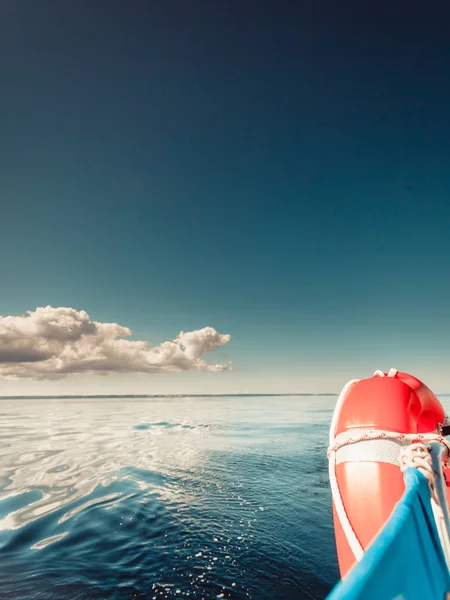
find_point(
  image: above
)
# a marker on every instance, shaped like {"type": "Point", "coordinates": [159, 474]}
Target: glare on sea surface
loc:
{"type": "Point", "coordinates": [201, 488]}
{"type": "Point", "coordinates": [65, 449]}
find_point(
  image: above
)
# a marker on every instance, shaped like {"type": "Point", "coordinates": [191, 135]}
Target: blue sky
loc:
{"type": "Point", "coordinates": [279, 171]}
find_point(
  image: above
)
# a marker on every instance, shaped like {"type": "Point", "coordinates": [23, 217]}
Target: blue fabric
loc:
{"type": "Point", "coordinates": [405, 561]}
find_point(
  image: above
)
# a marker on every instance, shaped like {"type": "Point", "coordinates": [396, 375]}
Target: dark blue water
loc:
{"type": "Point", "coordinates": [159, 498]}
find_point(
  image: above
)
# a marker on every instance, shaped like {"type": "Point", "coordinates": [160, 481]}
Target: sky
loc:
{"type": "Point", "coordinates": [269, 179]}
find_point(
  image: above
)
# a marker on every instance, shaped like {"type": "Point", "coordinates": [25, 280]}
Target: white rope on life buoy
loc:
{"type": "Point", "coordinates": [353, 541]}
{"type": "Point", "coordinates": [417, 456]}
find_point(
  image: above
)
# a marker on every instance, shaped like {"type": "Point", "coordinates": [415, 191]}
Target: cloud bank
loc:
{"type": "Point", "coordinates": [51, 343]}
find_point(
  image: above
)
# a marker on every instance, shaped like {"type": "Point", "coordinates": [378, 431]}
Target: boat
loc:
{"type": "Point", "coordinates": [390, 484]}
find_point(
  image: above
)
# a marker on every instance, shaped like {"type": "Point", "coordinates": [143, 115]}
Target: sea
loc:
{"type": "Point", "coordinates": [155, 498]}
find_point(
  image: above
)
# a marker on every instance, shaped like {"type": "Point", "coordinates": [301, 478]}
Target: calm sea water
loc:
{"type": "Point", "coordinates": [160, 498]}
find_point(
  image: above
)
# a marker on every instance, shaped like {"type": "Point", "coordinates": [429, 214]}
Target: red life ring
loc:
{"type": "Point", "coordinates": [365, 475]}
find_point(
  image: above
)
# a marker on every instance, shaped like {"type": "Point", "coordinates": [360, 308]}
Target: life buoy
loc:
{"type": "Point", "coordinates": [370, 425]}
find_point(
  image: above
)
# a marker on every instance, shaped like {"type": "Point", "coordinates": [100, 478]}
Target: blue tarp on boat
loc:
{"type": "Point", "coordinates": [405, 561]}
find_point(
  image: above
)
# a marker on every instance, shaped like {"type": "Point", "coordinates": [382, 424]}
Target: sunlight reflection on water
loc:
{"type": "Point", "coordinates": [227, 478]}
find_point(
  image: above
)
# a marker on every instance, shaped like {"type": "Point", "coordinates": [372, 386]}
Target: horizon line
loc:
{"type": "Point", "coordinates": [93, 396]}
{"type": "Point", "coordinates": [234, 395]}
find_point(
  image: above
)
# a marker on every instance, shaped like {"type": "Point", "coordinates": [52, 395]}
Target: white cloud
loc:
{"type": "Point", "coordinates": [50, 343]}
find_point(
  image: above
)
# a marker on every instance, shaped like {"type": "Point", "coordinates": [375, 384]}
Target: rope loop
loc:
{"type": "Point", "coordinates": [417, 456]}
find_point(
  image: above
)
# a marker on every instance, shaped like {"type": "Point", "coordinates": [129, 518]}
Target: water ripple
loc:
{"type": "Point", "coordinates": [194, 498]}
